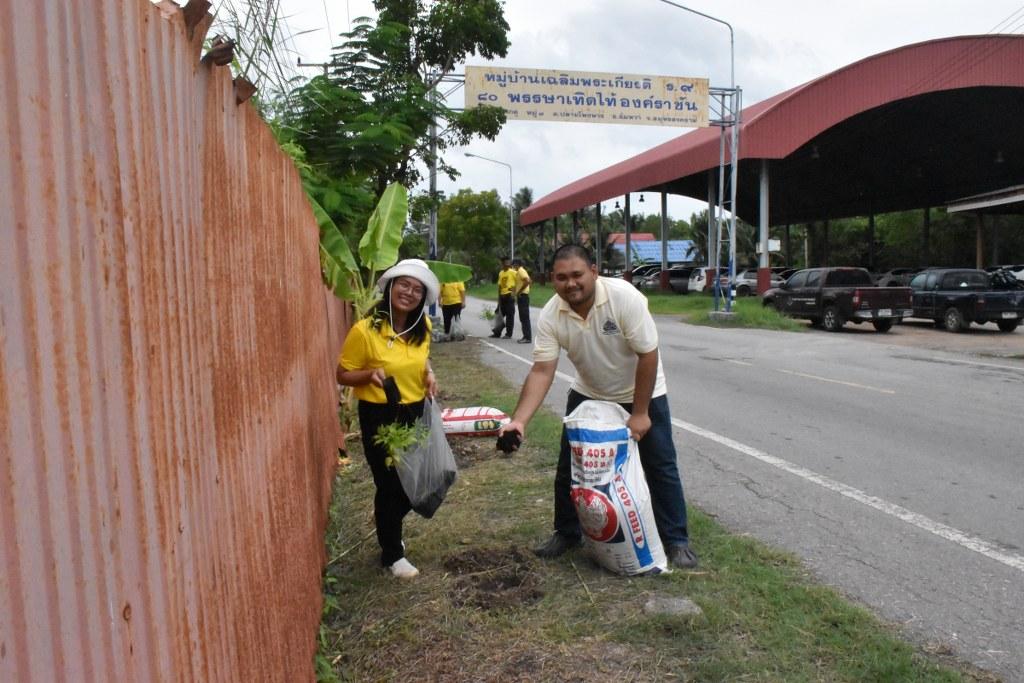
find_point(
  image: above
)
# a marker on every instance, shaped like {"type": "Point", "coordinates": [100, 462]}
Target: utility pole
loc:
{"type": "Point", "coordinates": [322, 65]}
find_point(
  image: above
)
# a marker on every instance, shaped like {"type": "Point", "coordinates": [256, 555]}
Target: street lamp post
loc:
{"type": "Point", "coordinates": [511, 210]}
{"type": "Point", "coordinates": [734, 150]}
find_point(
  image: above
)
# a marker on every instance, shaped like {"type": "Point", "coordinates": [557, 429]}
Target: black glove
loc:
{"type": "Point", "coordinates": [509, 441]}
{"type": "Point", "coordinates": [391, 392]}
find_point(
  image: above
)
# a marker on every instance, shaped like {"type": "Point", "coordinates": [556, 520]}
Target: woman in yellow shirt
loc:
{"type": "Point", "coordinates": [453, 300]}
{"type": "Point", "coordinates": [392, 343]}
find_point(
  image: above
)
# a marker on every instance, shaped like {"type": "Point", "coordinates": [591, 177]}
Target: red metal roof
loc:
{"type": "Point", "coordinates": [776, 127]}
{"type": "Point", "coordinates": [620, 237]}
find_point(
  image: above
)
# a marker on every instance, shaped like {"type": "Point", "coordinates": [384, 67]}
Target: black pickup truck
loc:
{"type": "Point", "coordinates": [831, 296]}
{"type": "Point", "coordinates": [955, 298]}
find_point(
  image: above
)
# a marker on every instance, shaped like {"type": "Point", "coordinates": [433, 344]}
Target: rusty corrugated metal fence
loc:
{"type": "Point", "coordinates": [167, 406]}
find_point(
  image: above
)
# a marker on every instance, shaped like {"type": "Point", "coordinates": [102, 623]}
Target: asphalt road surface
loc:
{"type": "Point", "coordinates": [895, 470]}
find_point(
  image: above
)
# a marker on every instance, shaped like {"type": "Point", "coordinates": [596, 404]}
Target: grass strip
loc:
{"type": "Point", "coordinates": [691, 308]}
{"type": "Point", "coordinates": [485, 609]}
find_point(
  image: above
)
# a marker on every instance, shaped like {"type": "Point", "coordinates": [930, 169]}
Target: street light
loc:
{"type": "Point", "coordinates": [734, 147]}
{"type": "Point", "coordinates": [511, 211]}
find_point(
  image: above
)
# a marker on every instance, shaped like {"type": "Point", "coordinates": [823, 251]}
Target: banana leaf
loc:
{"type": "Point", "coordinates": [378, 248]}
{"type": "Point", "coordinates": [336, 261]}
{"type": "Point", "coordinates": [336, 278]}
{"type": "Point", "coordinates": [450, 272]}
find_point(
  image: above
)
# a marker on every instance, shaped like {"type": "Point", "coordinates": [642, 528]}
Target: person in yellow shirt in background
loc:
{"type": "Point", "coordinates": [386, 357]}
{"type": "Point", "coordinates": [506, 300]}
{"type": "Point", "coordinates": [523, 300]}
{"type": "Point", "coordinates": [453, 300]}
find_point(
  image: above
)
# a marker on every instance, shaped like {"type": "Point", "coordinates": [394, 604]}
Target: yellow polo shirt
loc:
{"type": "Point", "coordinates": [507, 281]}
{"type": "Point", "coordinates": [604, 347]}
{"type": "Point", "coordinates": [451, 293]}
{"type": "Point", "coordinates": [366, 348]}
{"type": "Point", "coordinates": [521, 277]}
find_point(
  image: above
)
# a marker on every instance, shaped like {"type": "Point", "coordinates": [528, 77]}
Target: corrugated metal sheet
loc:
{"type": "Point", "coordinates": [775, 127]}
{"type": "Point", "coordinates": [167, 417]}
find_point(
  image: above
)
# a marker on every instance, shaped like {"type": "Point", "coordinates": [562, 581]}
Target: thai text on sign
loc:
{"type": "Point", "coordinates": [549, 95]}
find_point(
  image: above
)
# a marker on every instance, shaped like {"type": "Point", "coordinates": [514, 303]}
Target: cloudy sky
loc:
{"type": "Point", "coordinates": [778, 44]}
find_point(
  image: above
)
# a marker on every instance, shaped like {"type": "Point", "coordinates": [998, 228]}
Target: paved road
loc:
{"type": "Point", "coordinates": [896, 472]}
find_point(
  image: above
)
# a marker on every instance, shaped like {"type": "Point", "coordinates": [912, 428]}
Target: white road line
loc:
{"type": "Point", "coordinates": [817, 377]}
{"type": "Point", "coordinates": [1018, 368]}
{"type": "Point", "coordinates": [920, 521]}
{"type": "Point", "coordinates": [835, 381]}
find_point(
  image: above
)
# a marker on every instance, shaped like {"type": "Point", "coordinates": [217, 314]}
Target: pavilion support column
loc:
{"type": "Point", "coordinates": [995, 241]}
{"type": "Point", "coordinates": [576, 227]}
{"type": "Point", "coordinates": [663, 283]}
{"type": "Point", "coordinates": [824, 243]}
{"type": "Point", "coordinates": [712, 211]}
{"type": "Point", "coordinates": [627, 268]}
{"type": "Point", "coordinates": [764, 278]}
{"type": "Point", "coordinates": [808, 235]}
{"type": "Point", "coordinates": [871, 242]}
{"type": "Point", "coordinates": [542, 269]}
{"type": "Point", "coordinates": [597, 238]}
{"type": "Point", "coordinates": [554, 237]}
{"type": "Point", "coordinates": [926, 238]}
{"type": "Point", "coordinates": [979, 242]}
{"type": "Point", "coordinates": [788, 256]}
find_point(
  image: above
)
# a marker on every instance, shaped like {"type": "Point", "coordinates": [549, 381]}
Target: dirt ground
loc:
{"type": "Point", "coordinates": [979, 340]}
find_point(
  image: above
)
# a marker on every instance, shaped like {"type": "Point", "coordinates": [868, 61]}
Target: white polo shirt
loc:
{"type": "Point", "coordinates": [603, 347]}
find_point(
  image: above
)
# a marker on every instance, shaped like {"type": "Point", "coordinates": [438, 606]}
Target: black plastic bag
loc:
{"type": "Point", "coordinates": [427, 470]}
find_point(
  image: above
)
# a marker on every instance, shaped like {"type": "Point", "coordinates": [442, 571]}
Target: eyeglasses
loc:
{"type": "Point", "coordinates": [407, 286]}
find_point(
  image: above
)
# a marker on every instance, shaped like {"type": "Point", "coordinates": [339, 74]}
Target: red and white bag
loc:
{"type": "Point", "coordinates": [476, 421]}
{"type": "Point", "coordinates": [610, 492]}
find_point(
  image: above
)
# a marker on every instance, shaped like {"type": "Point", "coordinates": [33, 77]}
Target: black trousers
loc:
{"type": "Point", "coordinates": [450, 312]}
{"type": "Point", "coordinates": [507, 306]}
{"type": "Point", "coordinates": [390, 504]}
{"type": "Point", "coordinates": [523, 302]}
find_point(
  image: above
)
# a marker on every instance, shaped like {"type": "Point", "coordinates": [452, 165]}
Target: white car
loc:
{"type": "Point", "coordinates": [699, 280]}
{"type": "Point", "coordinates": [746, 282]}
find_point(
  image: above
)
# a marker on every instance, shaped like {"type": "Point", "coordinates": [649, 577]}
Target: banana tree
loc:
{"type": "Point", "coordinates": [378, 249]}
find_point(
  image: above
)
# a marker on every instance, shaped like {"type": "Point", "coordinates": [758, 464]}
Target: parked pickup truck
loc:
{"type": "Point", "coordinates": [831, 296]}
{"type": "Point", "coordinates": [955, 298]}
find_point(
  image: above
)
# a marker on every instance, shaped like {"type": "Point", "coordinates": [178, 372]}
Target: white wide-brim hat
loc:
{"type": "Point", "coordinates": [414, 268]}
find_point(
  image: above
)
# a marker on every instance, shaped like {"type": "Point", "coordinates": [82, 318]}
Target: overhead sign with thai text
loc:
{"type": "Point", "coordinates": [589, 97]}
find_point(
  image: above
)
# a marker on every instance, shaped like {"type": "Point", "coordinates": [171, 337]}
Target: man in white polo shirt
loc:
{"type": "Point", "coordinates": [611, 339]}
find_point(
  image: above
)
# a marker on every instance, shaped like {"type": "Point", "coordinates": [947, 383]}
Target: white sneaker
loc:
{"type": "Point", "coordinates": [403, 569]}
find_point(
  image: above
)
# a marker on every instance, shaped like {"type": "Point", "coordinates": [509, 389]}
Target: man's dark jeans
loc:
{"type": "Point", "coordinates": [523, 302]}
{"type": "Point", "coordinates": [658, 457]}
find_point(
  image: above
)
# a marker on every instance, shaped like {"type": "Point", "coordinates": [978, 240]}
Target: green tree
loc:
{"type": "Point", "coordinates": [472, 227]}
{"type": "Point", "coordinates": [372, 115]}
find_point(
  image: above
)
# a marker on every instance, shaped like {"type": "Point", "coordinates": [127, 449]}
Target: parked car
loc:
{"type": "Point", "coordinates": [679, 278]}
{"type": "Point", "coordinates": [831, 296]}
{"type": "Point", "coordinates": [897, 277]}
{"type": "Point", "coordinates": [785, 273]}
{"type": "Point", "coordinates": [699, 280]}
{"type": "Point", "coordinates": [649, 281]}
{"type": "Point", "coordinates": [957, 297]}
{"type": "Point", "coordinates": [642, 271]}
{"type": "Point", "coordinates": [746, 282]}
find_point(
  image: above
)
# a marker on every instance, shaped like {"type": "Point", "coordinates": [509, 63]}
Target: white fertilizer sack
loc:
{"type": "Point", "coordinates": [610, 492]}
